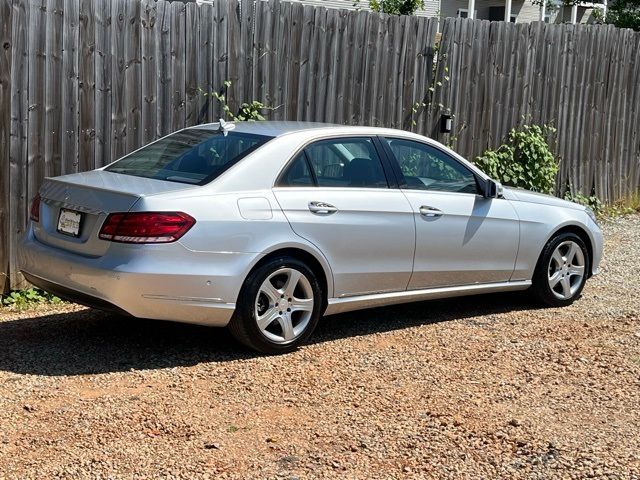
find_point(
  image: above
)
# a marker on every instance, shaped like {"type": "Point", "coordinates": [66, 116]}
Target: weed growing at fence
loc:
{"type": "Point", "coordinates": [590, 201]}
{"type": "Point", "coordinates": [248, 112]}
{"type": "Point", "coordinates": [24, 298]}
{"type": "Point", "coordinates": [428, 105]}
{"type": "Point", "coordinates": [624, 206]}
{"type": "Point", "coordinates": [618, 208]}
{"type": "Point", "coordinates": [525, 160]}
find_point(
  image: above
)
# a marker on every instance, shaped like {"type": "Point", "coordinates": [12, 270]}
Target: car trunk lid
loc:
{"type": "Point", "coordinates": [90, 197]}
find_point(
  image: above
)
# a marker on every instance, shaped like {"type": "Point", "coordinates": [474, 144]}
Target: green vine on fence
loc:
{"type": "Point", "coordinates": [525, 160]}
{"type": "Point", "coordinates": [428, 106]}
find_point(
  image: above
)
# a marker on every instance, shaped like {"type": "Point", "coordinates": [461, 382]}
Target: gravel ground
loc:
{"type": "Point", "coordinates": [483, 387]}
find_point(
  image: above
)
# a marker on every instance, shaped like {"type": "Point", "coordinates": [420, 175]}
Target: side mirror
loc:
{"type": "Point", "coordinates": [492, 189]}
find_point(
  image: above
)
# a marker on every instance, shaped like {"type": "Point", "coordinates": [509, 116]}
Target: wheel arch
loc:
{"type": "Point", "coordinates": [314, 259]}
{"type": "Point", "coordinates": [580, 231]}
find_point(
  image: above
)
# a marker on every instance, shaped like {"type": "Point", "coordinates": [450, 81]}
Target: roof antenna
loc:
{"type": "Point", "coordinates": [226, 127]}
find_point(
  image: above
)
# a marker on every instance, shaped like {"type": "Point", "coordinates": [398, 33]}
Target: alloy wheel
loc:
{"type": "Point", "coordinates": [284, 305]}
{"type": "Point", "coordinates": [566, 270]}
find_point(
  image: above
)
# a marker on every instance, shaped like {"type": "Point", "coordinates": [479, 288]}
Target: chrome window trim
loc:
{"type": "Point", "coordinates": [395, 162]}
{"type": "Point", "coordinates": [372, 136]}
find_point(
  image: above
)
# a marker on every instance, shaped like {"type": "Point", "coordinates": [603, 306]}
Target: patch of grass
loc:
{"type": "Point", "coordinates": [624, 206]}
{"type": "Point", "coordinates": [236, 428]}
{"type": "Point", "coordinates": [21, 299]}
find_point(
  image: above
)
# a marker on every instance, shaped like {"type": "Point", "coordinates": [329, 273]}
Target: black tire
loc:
{"type": "Point", "coordinates": [243, 325]}
{"type": "Point", "coordinates": [541, 289]}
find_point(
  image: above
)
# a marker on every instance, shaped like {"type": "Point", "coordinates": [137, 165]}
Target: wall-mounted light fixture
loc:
{"type": "Point", "coordinates": [446, 123]}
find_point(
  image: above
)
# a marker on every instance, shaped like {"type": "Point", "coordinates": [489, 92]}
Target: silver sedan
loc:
{"type": "Point", "coordinates": [264, 227]}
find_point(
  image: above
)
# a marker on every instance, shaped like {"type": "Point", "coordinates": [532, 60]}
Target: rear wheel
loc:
{"type": "Point", "coordinates": [561, 271]}
{"type": "Point", "coordinates": [278, 307]}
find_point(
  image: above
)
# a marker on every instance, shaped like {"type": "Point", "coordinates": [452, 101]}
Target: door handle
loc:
{"type": "Point", "coordinates": [322, 208]}
{"type": "Point", "coordinates": [426, 211]}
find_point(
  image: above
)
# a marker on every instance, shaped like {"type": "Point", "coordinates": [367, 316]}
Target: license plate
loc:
{"type": "Point", "coordinates": [69, 222]}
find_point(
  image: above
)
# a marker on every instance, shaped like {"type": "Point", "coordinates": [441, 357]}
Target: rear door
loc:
{"type": "Point", "coordinates": [336, 194]}
{"type": "Point", "coordinates": [462, 238]}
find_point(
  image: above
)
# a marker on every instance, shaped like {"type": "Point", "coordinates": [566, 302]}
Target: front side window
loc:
{"type": "Point", "coordinates": [346, 162]}
{"type": "Point", "coordinates": [427, 168]}
{"type": "Point", "coordinates": [195, 155]}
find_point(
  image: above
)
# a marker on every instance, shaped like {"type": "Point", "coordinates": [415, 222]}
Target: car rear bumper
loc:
{"type": "Point", "coordinates": [140, 282]}
{"type": "Point", "coordinates": [73, 295]}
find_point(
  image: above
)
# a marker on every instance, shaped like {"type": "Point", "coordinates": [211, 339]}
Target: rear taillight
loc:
{"type": "Point", "coordinates": [35, 208]}
{"type": "Point", "coordinates": [146, 227]}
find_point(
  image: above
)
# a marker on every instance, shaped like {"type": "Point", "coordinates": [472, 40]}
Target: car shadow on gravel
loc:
{"type": "Point", "coordinates": [90, 342]}
{"type": "Point", "coordinates": [473, 310]}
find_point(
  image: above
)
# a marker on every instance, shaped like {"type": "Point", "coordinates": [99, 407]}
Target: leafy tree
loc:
{"type": "Point", "coordinates": [396, 7]}
{"type": "Point", "coordinates": [624, 14]}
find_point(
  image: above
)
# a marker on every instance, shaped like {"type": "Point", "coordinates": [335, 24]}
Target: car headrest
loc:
{"type": "Point", "coordinates": [360, 171]}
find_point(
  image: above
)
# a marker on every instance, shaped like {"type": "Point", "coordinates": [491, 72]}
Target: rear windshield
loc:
{"type": "Point", "coordinates": [195, 156]}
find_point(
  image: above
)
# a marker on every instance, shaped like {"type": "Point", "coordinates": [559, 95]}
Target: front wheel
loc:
{"type": "Point", "coordinates": [278, 307]}
{"type": "Point", "coordinates": [561, 271]}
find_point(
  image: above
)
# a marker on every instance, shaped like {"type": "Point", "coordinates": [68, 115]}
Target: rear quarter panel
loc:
{"type": "Point", "coordinates": [248, 223]}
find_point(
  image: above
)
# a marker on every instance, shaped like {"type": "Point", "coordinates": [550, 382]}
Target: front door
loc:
{"type": "Point", "coordinates": [335, 194]}
{"type": "Point", "coordinates": [462, 238]}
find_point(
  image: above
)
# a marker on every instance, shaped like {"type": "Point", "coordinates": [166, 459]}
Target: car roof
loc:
{"type": "Point", "coordinates": [278, 128]}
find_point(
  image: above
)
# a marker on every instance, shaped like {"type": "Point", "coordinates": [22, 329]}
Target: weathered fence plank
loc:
{"type": "Point", "coordinates": [164, 74]}
{"type": "Point", "coordinates": [53, 88]}
{"type": "Point", "coordinates": [70, 106]}
{"type": "Point", "coordinates": [240, 46]}
{"type": "Point", "coordinates": [103, 67]}
{"type": "Point", "coordinates": [148, 50]}
{"type": "Point", "coordinates": [18, 202]}
{"type": "Point", "coordinates": [36, 95]}
{"type": "Point", "coordinates": [315, 85]}
{"type": "Point", "coordinates": [205, 63]}
{"type": "Point", "coordinates": [118, 78]}
{"type": "Point", "coordinates": [192, 61]}
{"type": "Point", "coordinates": [221, 54]}
{"type": "Point", "coordinates": [132, 76]}
{"type": "Point", "coordinates": [5, 138]}
{"type": "Point", "coordinates": [290, 107]}
{"type": "Point", "coordinates": [282, 45]}
{"type": "Point", "coordinates": [178, 53]}
{"type": "Point", "coordinates": [87, 80]}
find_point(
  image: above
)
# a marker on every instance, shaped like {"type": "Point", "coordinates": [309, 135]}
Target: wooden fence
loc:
{"type": "Point", "coordinates": [84, 81]}
{"type": "Point", "coordinates": [583, 79]}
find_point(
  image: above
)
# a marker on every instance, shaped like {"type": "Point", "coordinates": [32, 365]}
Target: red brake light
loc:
{"type": "Point", "coordinates": [35, 208]}
{"type": "Point", "coordinates": [146, 227]}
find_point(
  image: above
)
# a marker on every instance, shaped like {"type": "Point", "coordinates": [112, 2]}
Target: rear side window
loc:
{"type": "Point", "coordinates": [297, 174]}
{"type": "Point", "coordinates": [340, 162]}
{"type": "Point", "coordinates": [195, 156]}
{"type": "Point", "coordinates": [427, 168]}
